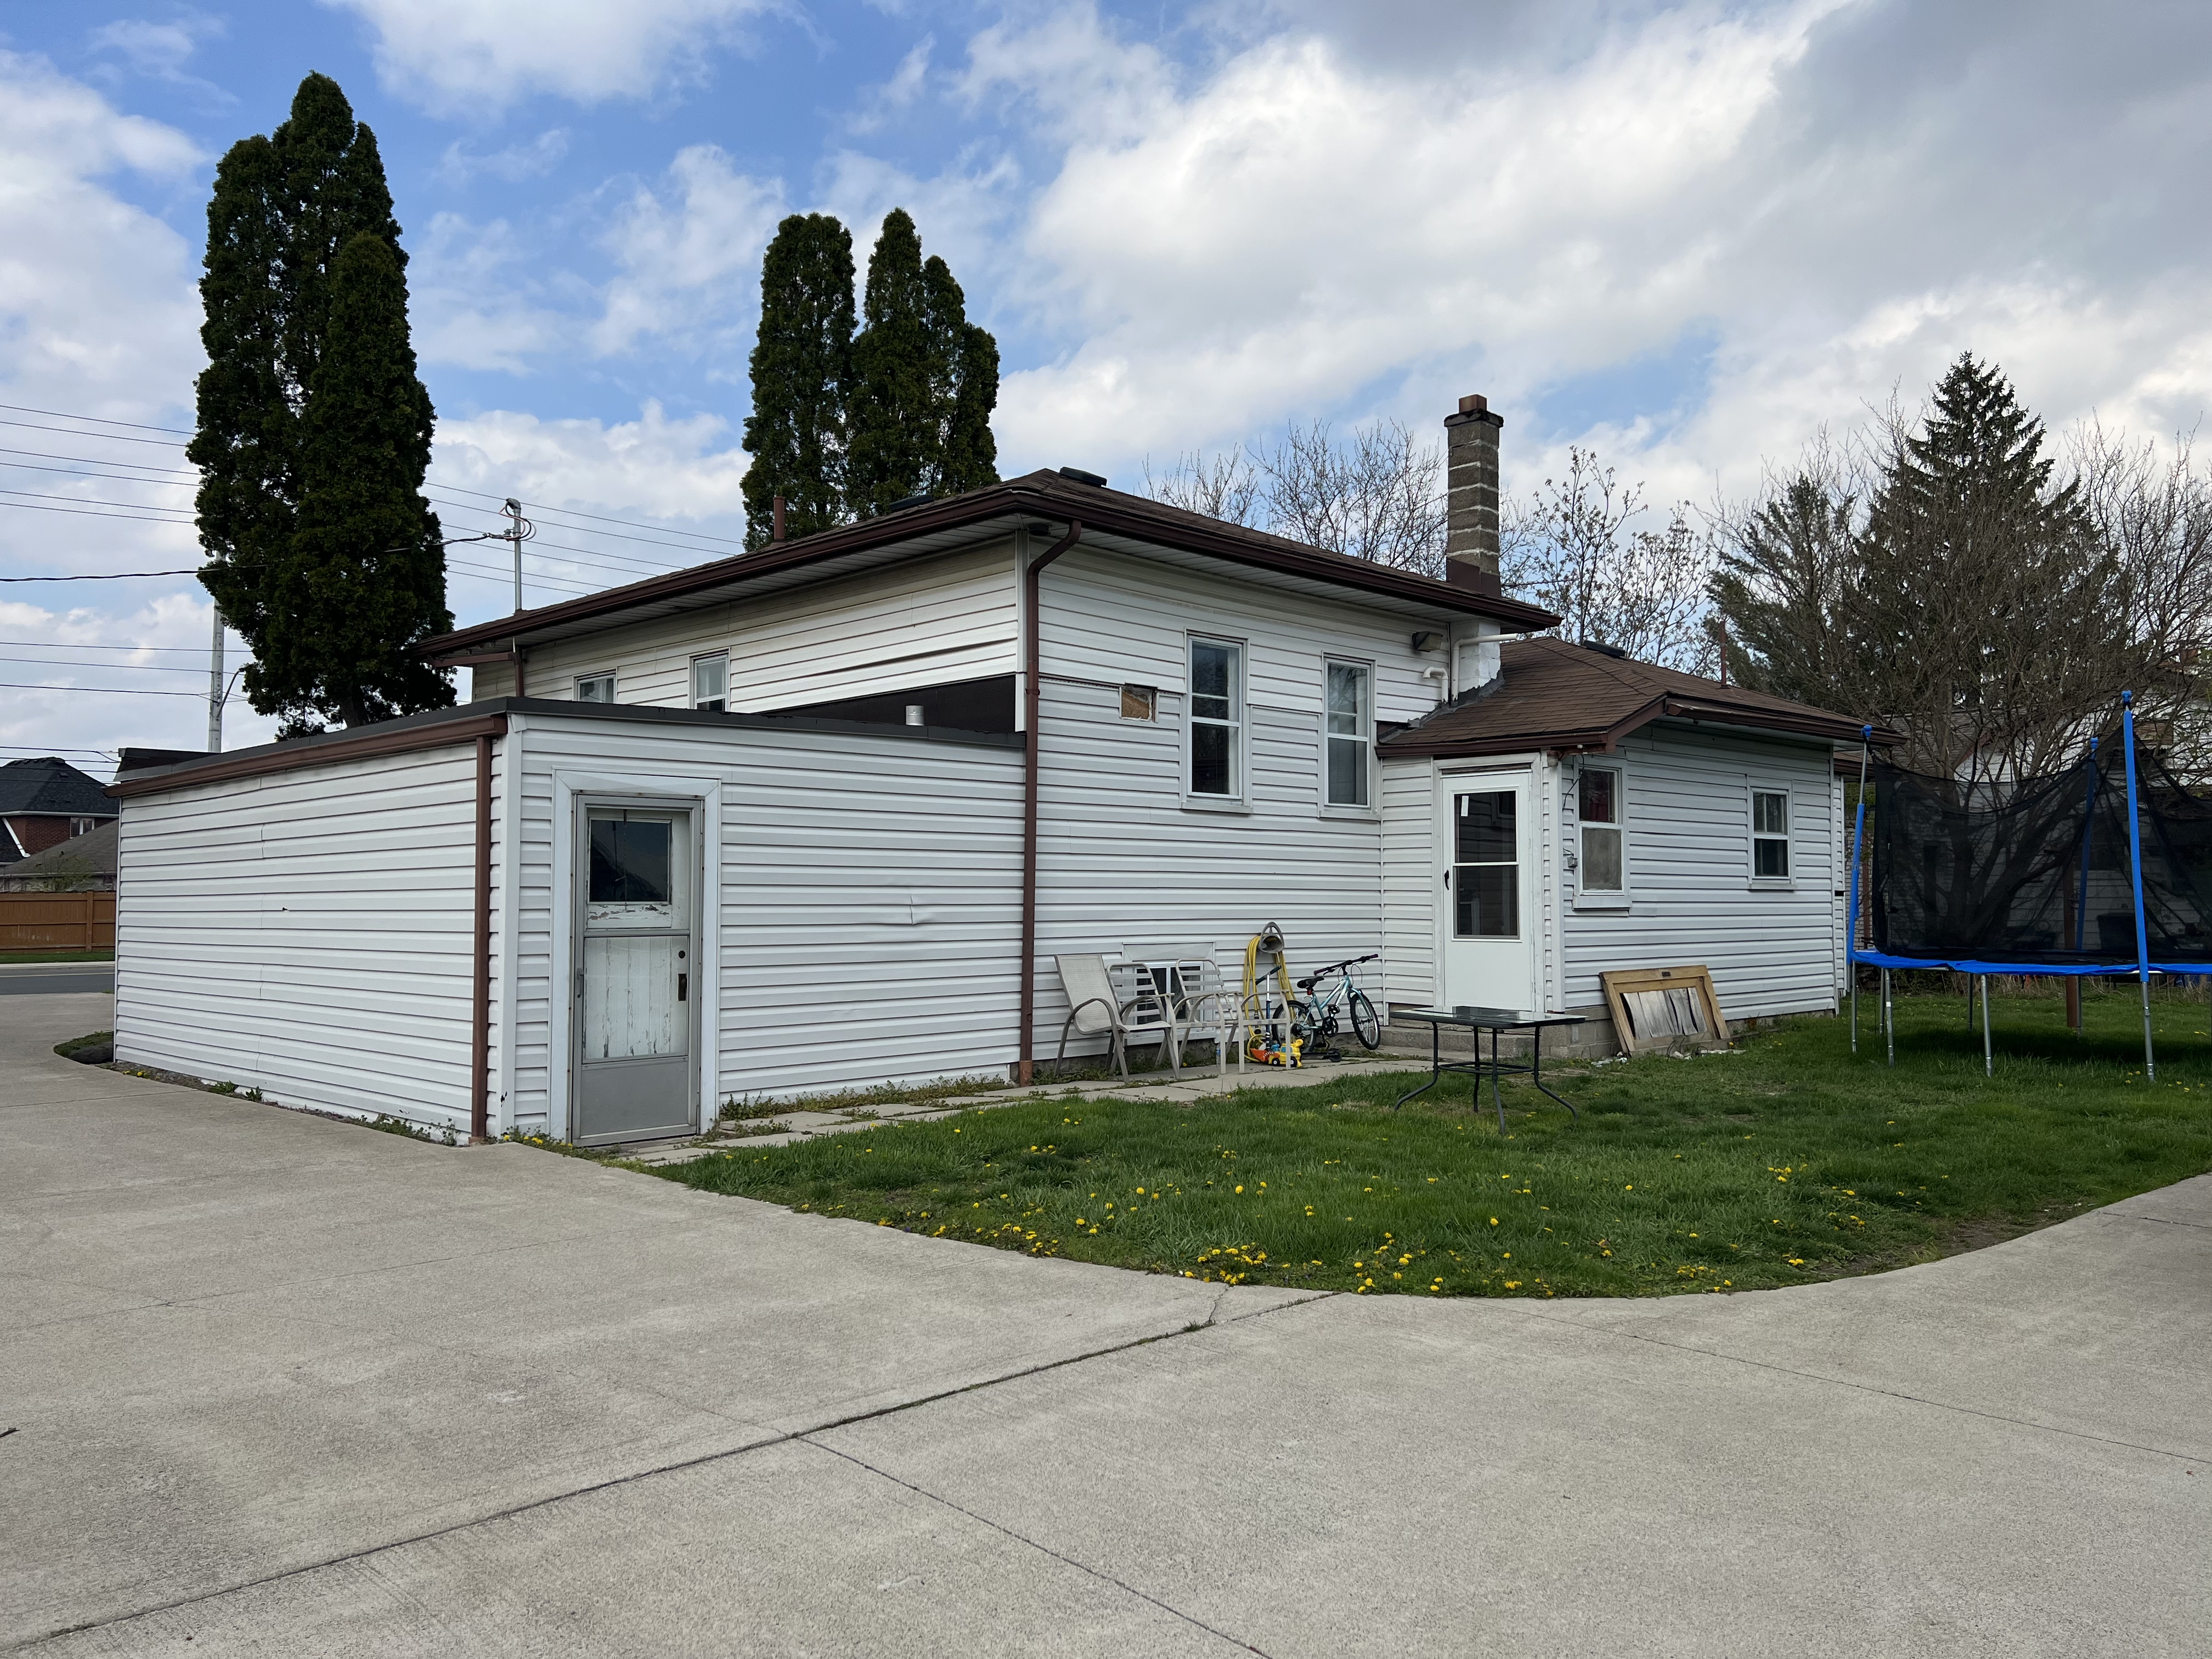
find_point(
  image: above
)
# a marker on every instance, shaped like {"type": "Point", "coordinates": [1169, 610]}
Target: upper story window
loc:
{"type": "Point", "coordinates": [710, 681]}
{"type": "Point", "coordinates": [1349, 740]}
{"type": "Point", "coordinates": [1769, 835]}
{"type": "Point", "coordinates": [595, 688]}
{"type": "Point", "coordinates": [82, 826]}
{"type": "Point", "coordinates": [1598, 809]}
{"type": "Point", "coordinates": [1217, 717]}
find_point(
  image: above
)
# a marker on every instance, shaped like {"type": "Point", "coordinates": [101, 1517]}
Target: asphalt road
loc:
{"type": "Point", "coordinates": [54, 979]}
{"type": "Point", "coordinates": [282, 1386]}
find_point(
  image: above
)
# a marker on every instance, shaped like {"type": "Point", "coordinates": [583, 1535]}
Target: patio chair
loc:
{"type": "Point", "coordinates": [1189, 976]}
{"type": "Point", "coordinates": [1097, 1006]}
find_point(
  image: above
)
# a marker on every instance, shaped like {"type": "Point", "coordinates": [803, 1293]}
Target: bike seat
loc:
{"type": "Point", "coordinates": [1307, 984]}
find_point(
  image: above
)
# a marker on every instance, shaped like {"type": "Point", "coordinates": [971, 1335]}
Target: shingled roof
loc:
{"type": "Point", "coordinates": [1555, 696]}
{"type": "Point", "coordinates": [49, 787]}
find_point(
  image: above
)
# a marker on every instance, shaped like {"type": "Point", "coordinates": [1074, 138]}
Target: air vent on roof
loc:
{"type": "Point", "coordinates": [1080, 476]}
{"type": "Point", "coordinates": [1613, 651]}
{"type": "Point", "coordinates": [905, 502]}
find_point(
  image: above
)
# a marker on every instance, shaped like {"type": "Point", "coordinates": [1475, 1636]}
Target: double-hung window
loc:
{"type": "Point", "coordinates": [1770, 835]}
{"type": "Point", "coordinates": [1217, 719]}
{"type": "Point", "coordinates": [1598, 809]}
{"type": "Point", "coordinates": [595, 688]}
{"type": "Point", "coordinates": [1350, 734]}
{"type": "Point", "coordinates": [710, 681]}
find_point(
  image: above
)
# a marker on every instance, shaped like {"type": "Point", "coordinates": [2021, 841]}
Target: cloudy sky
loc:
{"type": "Point", "coordinates": [1687, 235]}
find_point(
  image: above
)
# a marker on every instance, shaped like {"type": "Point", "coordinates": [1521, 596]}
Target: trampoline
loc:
{"type": "Point", "coordinates": [2103, 869]}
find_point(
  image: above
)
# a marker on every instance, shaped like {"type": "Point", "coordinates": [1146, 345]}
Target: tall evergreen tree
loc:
{"type": "Point", "coordinates": [802, 374]}
{"type": "Point", "coordinates": [1780, 590]}
{"type": "Point", "coordinates": [963, 383]}
{"type": "Point", "coordinates": [364, 582]}
{"type": "Point", "coordinates": [283, 207]}
{"type": "Point", "coordinates": [896, 436]}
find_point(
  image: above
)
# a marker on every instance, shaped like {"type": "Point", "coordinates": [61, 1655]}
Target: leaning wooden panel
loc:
{"type": "Point", "coordinates": [1656, 1009]}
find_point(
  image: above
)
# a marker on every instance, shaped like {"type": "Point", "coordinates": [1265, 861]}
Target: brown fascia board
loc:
{"type": "Point", "coordinates": [444, 728]}
{"type": "Point", "coordinates": [978, 506]}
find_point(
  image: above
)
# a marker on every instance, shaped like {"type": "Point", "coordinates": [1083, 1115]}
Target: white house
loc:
{"type": "Point", "coordinates": [822, 814]}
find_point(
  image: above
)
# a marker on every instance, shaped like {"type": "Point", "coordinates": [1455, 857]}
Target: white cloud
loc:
{"type": "Point", "coordinates": [159, 50]}
{"type": "Point", "coordinates": [459, 56]}
{"type": "Point", "coordinates": [683, 471]}
{"type": "Point", "coordinates": [880, 106]}
{"type": "Point", "coordinates": [475, 303]}
{"type": "Point", "coordinates": [513, 164]}
{"type": "Point", "coordinates": [689, 257]}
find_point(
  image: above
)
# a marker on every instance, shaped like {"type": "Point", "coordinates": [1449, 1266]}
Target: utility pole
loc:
{"type": "Point", "coordinates": [514, 534]}
{"type": "Point", "coordinates": [214, 688]}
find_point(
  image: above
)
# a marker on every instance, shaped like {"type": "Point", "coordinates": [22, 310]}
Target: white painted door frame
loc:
{"type": "Point", "coordinates": [1526, 776]}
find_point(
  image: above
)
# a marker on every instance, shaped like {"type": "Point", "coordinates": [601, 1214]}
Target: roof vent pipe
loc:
{"type": "Point", "coordinates": [1470, 543]}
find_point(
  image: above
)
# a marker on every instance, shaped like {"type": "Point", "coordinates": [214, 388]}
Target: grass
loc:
{"type": "Point", "coordinates": [1785, 1162]}
{"type": "Point", "coordinates": [11, 958]}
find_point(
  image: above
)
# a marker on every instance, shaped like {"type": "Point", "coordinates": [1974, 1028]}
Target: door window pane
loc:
{"type": "Point", "coordinates": [1488, 830]}
{"type": "Point", "coordinates": [1486, 901]}
{"type": "Point", "coordinates": [1217, 715]}
{"type": "Point", "coordinates": [631, 862]}
{"type": "Point", "coordinates": [1346, 739]}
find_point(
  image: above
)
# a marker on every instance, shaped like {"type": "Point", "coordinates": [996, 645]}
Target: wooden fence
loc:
{"type": "Point", "coordinates": [58, 921]}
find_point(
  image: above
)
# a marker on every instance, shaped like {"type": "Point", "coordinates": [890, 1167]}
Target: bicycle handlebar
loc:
{"type": "Point", "coordinates": [1312, 978]}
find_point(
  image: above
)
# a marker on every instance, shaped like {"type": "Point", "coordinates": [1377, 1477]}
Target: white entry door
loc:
{"type": "Point", "coordinates": [1489, 894]}
{"type": "Point", "coordinates": [637, 977]}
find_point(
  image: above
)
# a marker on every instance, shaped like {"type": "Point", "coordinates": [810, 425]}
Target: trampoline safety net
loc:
{"type": "Point", "coordinates": [2036, 873]}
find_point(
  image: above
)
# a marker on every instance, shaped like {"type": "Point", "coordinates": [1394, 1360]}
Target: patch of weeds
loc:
{"type": "Point", "coordinates": [400, 1126]}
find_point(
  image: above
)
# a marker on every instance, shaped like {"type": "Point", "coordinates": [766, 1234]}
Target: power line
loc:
{"type": "Point", "coordinates": [112, 691]}
{"type": "Point", "coordinates": [101, 460]}
{"type": "Point", "coordinates": [95, 644]}
{"type": "Point", "coordinates": [125, 667]}
{"type": "Point", "coordinates": [112, 477]}
{"type": "Point", "coordinates": [105, 437]}
{"type": "Point", "coordinates": [95, 512]}
{"type": "Point", "coordinates": [578, 513]}
{"type": "Point", "coordinates": [102, 420]}
{"type": "Point", "coordinates": [54, 749]}
{"type": "Point", "coordinates": [105, 576]}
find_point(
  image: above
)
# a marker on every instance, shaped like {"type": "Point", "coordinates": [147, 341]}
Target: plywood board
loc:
{"type": "Point", "coordinates": [1656, 1009]}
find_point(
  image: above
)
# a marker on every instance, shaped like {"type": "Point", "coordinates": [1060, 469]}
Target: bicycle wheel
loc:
{"type": "Point", "coordinates": [1366, 1025]}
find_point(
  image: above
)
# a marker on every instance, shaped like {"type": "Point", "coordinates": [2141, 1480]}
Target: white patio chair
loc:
{"type": "Point", "coordinates": [1097, 1006]}
{"type": "Point", "coordinates": [1206, 1009]}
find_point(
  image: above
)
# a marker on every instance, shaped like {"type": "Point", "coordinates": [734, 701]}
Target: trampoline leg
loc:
{"type": "Point", "coordinates": [1888, 1017]}
{"type": "Point", "coordinates": [1855, 1008]}
{"type": "Point", "coordinates": [1989, 1062]}
{"type": "Point", "coordinates": [2150, 1054]}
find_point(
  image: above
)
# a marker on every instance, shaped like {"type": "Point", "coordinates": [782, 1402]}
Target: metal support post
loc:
{"type": "Point", "coordinates": [1989, 1062]}
{"type": "Point", "coordinates": [2134, 862]}
{"type": "Point", "coordinates": [1851, 919]}
{"type": "Point", "coordinates": [1888, 1017]}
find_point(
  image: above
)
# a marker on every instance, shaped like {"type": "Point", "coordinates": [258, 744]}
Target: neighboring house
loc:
{"type": "Point", "coordinates": [823, 813]}
{"type": "Point", "coordinates": [45, 801]}
{"type": "Point", "coordinates": [82, 864]}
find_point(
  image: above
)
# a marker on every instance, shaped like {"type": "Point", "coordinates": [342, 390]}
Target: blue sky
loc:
{"type": "Point", "coordinates": [1691, 235]}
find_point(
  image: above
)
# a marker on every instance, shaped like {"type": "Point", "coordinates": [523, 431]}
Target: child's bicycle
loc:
{"type": "Point", "coordinates": [1314, 1021]}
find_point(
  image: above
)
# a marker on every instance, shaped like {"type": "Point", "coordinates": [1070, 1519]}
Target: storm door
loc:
{"type": "Point", "coordinates": [1488, 892]}
{"type": "Point", "coordinates": [636, 974]}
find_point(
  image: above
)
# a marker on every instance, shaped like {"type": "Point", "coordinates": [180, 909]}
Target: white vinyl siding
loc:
{"type": "Point", "coordinates": [307, 933]}
{"type": "Point", "coordinates": [927, 622]}
{"type": "Point", "coordinates": [1771, 948]}
{"type": "Point", "coordinates": [1413, 885]}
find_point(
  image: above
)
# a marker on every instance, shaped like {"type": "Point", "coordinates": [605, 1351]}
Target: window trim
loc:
{"type": "Point", "coordinates": [614, 686]}
{"type": "Point", "coordinates": [1622, 898]}
{"type": "Point", "coordinates": [1753, 836]}
{"type": "Point", "coordinates": [1239, 800]}
{"type": "Point", "coordinates": [1338, 809]}
{"type": "Point", "coordinates": [697, 702]}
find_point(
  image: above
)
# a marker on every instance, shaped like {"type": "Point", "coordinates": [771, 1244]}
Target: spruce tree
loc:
{"type": "Point", "coordinates": [1780, 591]}
{"type": "Point", "coordinates": [897, 437]}
{"type": "Point", "coordinates": [364, 582]}
{"type": "Point", "coordinates": [283, 207]}
{"type": "Point", "coordinates": [802, 375]}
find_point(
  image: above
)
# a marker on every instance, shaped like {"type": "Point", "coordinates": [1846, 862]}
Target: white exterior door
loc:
{"type": "Point", "coordinates": [636, 974]}
{"type": "Point", "coordinates": [1488, 890]}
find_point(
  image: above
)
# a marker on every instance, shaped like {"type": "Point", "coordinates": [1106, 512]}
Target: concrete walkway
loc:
{"type": "Point", "coordinates": [284, 1387]}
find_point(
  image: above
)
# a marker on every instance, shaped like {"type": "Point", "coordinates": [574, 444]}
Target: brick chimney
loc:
{"type": "Point", "coordinates": [1471, 458]}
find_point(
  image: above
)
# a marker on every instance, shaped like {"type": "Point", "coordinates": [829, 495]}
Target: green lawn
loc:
{"type": "Point", "coordinates": [1787, 1162]}
{"type": "Point", "coordinates": [12, 958]}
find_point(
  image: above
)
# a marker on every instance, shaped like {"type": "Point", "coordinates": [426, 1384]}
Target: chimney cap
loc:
{"type": "Point", "coordinates": [1473, 404]}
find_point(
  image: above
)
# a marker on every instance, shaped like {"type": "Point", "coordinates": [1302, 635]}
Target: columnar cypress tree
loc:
{"type": "Point", "coordinates": [364, 582]}
{"type": "Point", "coordinates": [896, 433]}
{"type": "Point", "coordinates": [802, 373]}
{"type": "Point", "coordinates": [283, 207]}
{"type": "Point", "coordinates": [964, 382]}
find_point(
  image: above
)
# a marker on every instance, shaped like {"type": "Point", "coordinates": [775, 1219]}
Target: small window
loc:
{"type": "Point", "coordinates": [710, 681]}
{"type": "Point", "coordinates": [1597, 805]}
{"type": "Point", "coordinates": [1769, 835]}
{"type": "Point", "coordinates": [1349, 719]}
{"type": "Point", "coordinates": [82, 826]}
{"type": "Point", "coordinates": [595, 688]}
{"type": "Point", "coordinates": [1217, 717]}
{"type": "Point", "coordinates": [1141, 702]}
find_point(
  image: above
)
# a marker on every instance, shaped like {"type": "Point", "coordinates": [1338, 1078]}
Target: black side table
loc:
{"type": "Point", "coordinates": [1492, 1020]}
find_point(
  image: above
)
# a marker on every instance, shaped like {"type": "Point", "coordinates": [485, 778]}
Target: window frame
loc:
{"type": "Point", "coordinates": [1603, 898]}
{"type": "Point", "coordinates": [1754, 835]}
{"type": "Point", "coordinates": [583, 680]}
{"type": "Point", "coordinates": [698, 703]}
{"type": "Point", "coordinates": [1365, 807]}
{"type": "Point", "coordinates": [1238, 800]}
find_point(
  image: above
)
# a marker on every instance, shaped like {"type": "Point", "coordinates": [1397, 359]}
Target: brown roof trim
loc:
{"type": "Point", "coordinates": [1604, 740]}
{"type": "Point", "coordinates": [1100, 509]}
{"type": "Point", "coordinates": [447, 728]}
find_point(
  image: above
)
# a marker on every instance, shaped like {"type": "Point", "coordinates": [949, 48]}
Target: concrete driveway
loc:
{"type": "Point", "coordinates": [285, 1387]}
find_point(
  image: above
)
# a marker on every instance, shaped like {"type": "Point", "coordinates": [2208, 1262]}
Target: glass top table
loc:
{"type": "Point", "coordinates": [1495, 1021]}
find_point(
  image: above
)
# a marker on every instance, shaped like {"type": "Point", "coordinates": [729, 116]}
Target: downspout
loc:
{"type": "Point", "coordinates": [480, 1012]}
{"type": "Point", "coordinates": [1032, 655]}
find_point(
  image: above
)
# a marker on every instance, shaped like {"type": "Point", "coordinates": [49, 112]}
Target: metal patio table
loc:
{"type": "Point", "coordinates": [1494, 1021]}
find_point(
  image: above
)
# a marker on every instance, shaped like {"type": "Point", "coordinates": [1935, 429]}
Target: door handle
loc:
{"type": "Point", "coordinates": [683, 987]}
{"type": "Point", "coordinates": [579, 985]}
{"type": "Point", "coordinates": [1447, 877]}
